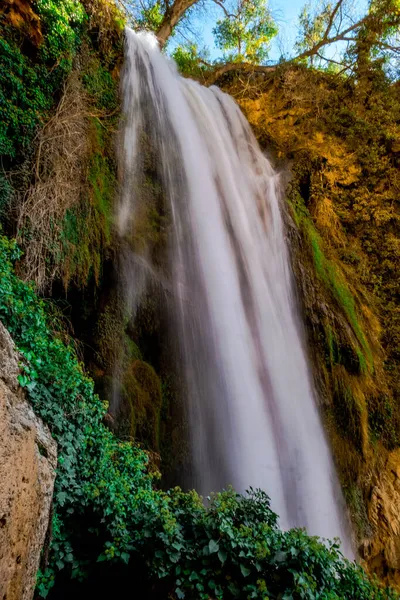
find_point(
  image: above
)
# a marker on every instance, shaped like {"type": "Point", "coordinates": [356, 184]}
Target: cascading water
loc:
{"type": "Point", "coordinates": [251, 404]}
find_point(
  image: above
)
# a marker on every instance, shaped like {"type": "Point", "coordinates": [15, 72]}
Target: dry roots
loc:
{"type": "Point", "coordinates": [58, 182]}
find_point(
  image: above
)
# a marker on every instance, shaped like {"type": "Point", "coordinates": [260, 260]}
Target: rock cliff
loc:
{"type": "Point", "coordinates": [28, 458]}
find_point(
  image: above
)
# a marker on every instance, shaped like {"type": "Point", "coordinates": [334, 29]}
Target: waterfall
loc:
{"type": "Point", "coordinates": [250, 399]}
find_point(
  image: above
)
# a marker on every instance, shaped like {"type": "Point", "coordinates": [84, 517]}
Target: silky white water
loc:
{"type": "Point", "coordinates": [251, 404]}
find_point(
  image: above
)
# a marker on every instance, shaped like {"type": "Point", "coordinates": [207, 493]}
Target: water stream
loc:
{"type": "Point", "coordinates": [251, 402]}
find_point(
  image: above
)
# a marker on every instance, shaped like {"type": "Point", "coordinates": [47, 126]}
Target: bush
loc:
{"type": "Point", "coordinates": [28, 83]}
{"type": "Point", "coordinates": [231, 549]}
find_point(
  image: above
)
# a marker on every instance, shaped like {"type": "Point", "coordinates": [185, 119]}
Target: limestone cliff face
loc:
{"type": "Point", "coordinates": [381, 552]}
{"type": "Point", "coordinates": [28, 457]}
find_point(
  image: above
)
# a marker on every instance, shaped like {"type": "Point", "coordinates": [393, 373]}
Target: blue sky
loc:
{"type": "Point", "coordinates": [286, 15]}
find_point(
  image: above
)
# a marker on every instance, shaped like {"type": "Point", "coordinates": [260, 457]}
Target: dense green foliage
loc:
{"type": "Point", "coordinates": [94, 469]}
{"type": "Point", "coordinates": [232, 549]}
{"type": "Point", "coordinates": [246, 33]}
{"type": "Point", "coordinates": [58, 54]}
{"type": "Point", "coordinates": [27, 84]}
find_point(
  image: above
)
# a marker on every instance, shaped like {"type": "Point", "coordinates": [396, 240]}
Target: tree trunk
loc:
{"type": "Point", "coordinates": [171, 18]}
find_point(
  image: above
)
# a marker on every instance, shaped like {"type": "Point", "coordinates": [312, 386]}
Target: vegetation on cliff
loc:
{"type": "Point", "coordinates": [338, 127]}
{"type": "Point", "coordinates": [341, 137]}
{"type": "Point", "coordinates": [107, 510]}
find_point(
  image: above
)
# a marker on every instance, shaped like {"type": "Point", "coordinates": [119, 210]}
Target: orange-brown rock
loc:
{"type": "Point", "coordinates": [28, 457]}
{"type": "Point", "coordinates": [381, 552]}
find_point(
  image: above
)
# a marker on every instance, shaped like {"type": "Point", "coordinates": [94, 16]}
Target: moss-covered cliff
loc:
{"type": "Point", "coordinates": [59, 76]}
{"type": "Point", "coordinates": [341, 142]}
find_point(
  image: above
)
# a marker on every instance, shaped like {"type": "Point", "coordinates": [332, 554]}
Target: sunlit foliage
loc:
{"type": "Point", "coordinates": [245, 33]}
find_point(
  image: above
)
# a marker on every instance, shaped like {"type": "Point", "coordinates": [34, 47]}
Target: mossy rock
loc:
{"type": "Point", "coordinates": [140, 405]}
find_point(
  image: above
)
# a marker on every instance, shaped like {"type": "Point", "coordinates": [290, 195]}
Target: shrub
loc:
{"type": "Point", "coordinates": [231, 549]}
{"type": "Point", "coordinates": [27, 83]}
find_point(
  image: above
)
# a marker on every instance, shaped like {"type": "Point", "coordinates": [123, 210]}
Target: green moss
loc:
{"type": "Point", "coordinates": [329, 273]}
{"type": "Point", "coordinates": [362, 362]}
{"type": "Point", "coordinates": [348, 413]}
{"type": "Point", "coordinates": [141, 391]}
{"type": "Point", "coordinates": [87, 228]}
{"type": "Point", "coordinates": [333, 347]}
{"type": "Point", "coordinates": [358, 510]}
{"type": "Point", "coordinates": [102, 180]}
{"type": "Point", "coordinates": [101, 86]}
{"type": "Point", "coordinates": [383, 421]}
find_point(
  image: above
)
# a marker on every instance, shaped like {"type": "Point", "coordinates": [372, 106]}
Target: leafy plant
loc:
{"type": "Point", "coordinates": [26, 85]}
{"type": "Point", "coordinates": [231, 549]}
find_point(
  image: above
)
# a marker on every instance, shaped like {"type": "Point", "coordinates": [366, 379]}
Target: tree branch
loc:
{"type": "Point", "coordinates": [171, 17]}
{"type": "Point", "coordinates": [335, 62]}
{"type": "Point", "coordinates": [331, 40]}
{"type": "Point", "coordinates": [221, 5]}
{"type": "Point", "coordinates": [332, 18]}
{"type": "Point", "coordinates": [243, 67]}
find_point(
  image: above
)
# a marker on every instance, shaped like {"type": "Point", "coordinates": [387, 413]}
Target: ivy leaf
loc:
{"type": "Point", "coordinates": [125, 557]}
{"type": "Point", "coordinates": [234, 590]}
{"type": "Point", "coordinates": [102, 558]}
{"type": "Point", "coordinates": [177, 545]}
{"type": "Point", "coordinates": [222, 555]}
{"type": "Point", "coordinates": [61, 497]}
{"type": "Point", "coordinates": [213, 546]}
{"type": "Point", "coordinates": [180, 594]}
{"type": "Point", "coordinates": [280, 557]}
{"type": "Point", "coordinates": [174, 557]}
{"type": "Point", "coordinates": [23, 380]}
{"type": "Point", "coordinates": [245, 571]}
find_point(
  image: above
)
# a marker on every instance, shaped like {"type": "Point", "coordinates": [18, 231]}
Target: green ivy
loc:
{"type": "Point", "coordinates": [231, 549]}
{"type": "Point", "coordinates": [28, 83]}
{"type": "Point", "coordinates": [94, 469]}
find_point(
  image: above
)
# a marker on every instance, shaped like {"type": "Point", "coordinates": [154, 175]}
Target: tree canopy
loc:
{"type": "Point", "coordinates": [333, 35]}
{"type": "Point", "coordinates": [244, 34]}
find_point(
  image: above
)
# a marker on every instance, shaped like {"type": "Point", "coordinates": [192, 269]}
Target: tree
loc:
{"type": "Point", "coordinates": [160, 16]}
{"type": "Point", "coordinates": [312, 26]}
{"type": "Point", "coordinates": [377, 44]}
{"type": "Point", "coordinates": [244, 35]}
{"type": "Point", "coordinates": [172, 15]}
{"type": "Point", "coordinates": [374, 34]}
{"type": "Point", "coordinates": [246, 29]}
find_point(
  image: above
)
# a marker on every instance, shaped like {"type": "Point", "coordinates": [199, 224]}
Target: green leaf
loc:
{"type": "Point", "coordinates": [245, 571]}
{"type": "Point", "coordinates": [101, 558]}
{"type": "Point", "coordinates": [213, 546]}
{"type": "Point", "coordinates": [280, 557]}
{"type": "Point", "coordinates": [61, 497]}
{"type": "Point", "coordinates": [222, 555]}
